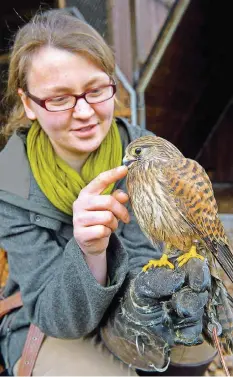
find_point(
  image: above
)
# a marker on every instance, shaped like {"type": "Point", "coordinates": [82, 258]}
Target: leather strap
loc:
{"type": "Point", "coordinates": [34, 338]}
{"type": "Point", "coordinates": [30, 351]}
{"type": "Point", "coordinates": [10, 303]}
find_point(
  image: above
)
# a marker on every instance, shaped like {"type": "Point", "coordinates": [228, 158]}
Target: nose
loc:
{"type": "Point", "coordinates": [83, 110]}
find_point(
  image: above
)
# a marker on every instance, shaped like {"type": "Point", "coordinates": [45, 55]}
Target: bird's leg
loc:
{"type": "Point", "coordinates": [191, 254]}
{"type": "Point", "coordinates": [162, 262]}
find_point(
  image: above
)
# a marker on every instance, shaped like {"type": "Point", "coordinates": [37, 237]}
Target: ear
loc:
{"type": "Point", "coordinates": [27, 105]}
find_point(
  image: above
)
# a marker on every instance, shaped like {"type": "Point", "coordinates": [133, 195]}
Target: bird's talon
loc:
{"type": "Point", "coordinates": [191, 254]}
{"type": "Point", "coordinates": [162, 262]}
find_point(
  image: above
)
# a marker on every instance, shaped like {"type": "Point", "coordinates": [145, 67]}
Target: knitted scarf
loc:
{"type": "Point", "coordinates": [59, 182]}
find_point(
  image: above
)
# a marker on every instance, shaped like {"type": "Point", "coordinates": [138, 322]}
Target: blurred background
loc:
{"type": "Point", "coordinates": [174, 73]}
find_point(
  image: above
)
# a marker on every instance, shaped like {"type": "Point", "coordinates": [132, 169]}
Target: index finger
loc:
{"type": "Point", "coordinates": [103, 180]}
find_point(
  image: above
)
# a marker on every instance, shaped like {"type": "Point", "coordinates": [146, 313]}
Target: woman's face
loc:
{"type": "Point", "coordinates": [74, 132]}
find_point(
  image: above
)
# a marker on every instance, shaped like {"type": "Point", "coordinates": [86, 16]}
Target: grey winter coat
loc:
{"type": "Point", "coordinates": [59, 292]}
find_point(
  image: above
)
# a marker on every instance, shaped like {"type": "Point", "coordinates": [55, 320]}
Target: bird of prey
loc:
{"type": "Point", "coordinates": [173, 201]}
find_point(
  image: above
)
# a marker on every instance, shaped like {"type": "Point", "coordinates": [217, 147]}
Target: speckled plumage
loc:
{"type": "Point", "coordinates": [173, 199]}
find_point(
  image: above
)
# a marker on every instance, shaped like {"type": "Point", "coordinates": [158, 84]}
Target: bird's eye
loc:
{"type": "Point", "coordinates": [137, 151]}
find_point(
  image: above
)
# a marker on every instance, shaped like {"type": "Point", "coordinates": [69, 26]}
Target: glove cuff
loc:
{"type": "Point", "coordinates": [134, 352]}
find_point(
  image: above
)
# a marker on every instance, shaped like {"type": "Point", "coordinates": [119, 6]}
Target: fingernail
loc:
{"type": "Point", "coordinates": [119, 191]}
{"type": "Point", "coordinates": [120, 168]}
{"type": "Point", "coordinates": [127, 219]}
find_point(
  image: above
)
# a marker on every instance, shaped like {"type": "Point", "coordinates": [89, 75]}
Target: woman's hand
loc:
{"type": "Point", "coordinates": [96, 216]}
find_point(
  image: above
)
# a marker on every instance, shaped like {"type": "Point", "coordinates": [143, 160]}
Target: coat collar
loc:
{"type": "Point", "coordinates": [14, 167]}
{"type": "Point", "coordinates": [17, 184]}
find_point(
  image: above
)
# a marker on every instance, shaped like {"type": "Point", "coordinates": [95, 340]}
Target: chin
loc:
{"type": "Point", "coordinates": [88, 146]}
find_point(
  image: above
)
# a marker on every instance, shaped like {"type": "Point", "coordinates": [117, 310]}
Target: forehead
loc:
{"type": "Point", "coordinates": [51, 67]}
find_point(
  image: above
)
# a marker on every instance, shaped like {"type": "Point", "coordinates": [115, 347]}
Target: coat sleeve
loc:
{"type": "Point", "coordinates": [60, 294]}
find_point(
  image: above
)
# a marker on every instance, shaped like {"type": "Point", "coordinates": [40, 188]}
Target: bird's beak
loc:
{"type": "Point", "coordinates": [127, 162]}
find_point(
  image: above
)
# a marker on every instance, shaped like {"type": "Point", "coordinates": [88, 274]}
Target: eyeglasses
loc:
{"type": "Point", "coordinates": [67, 102]}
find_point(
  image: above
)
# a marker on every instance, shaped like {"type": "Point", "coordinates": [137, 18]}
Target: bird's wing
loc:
{"type": "Point", "coordinates": [191, 189]}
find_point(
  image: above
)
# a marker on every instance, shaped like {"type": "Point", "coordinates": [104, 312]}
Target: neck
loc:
{"type": "Point", "coordinates": [75, 164]}
{"type": "Point", "coordinates": [75, 161]}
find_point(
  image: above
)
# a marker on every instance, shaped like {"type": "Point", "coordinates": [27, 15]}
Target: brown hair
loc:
{"type": "Point", "coordinates": [54, 28]}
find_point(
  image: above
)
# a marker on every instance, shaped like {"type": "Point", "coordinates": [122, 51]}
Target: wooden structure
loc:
{"type": "Point", "coordinates": [188, 99]}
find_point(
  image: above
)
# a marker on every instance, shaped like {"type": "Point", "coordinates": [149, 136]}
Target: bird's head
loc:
{"type": "Point", "coordinates": [147, 148]}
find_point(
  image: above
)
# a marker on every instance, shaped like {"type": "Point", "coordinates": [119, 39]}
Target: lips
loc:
{"type": "Point", "coordinates": [85, 132]}
{"type": "Point", "coordinates": [85, 129]}
{"type": "Point", "coordinates": [88, 128]}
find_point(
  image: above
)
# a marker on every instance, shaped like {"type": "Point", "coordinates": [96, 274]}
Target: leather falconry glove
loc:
{"type": "Point", "coordinates": [159, 309]}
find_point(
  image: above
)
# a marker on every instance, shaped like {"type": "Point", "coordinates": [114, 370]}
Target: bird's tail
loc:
{"type": "Point", "coordinates": [223, 254]}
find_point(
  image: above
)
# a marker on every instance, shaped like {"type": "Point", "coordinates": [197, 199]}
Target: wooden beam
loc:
{"type": "Point", "coordinates": [134, 57]}
{"type": "Point", "coordinates": [61, 3]}
{"type": "Point", "coordinates": [4, 58]}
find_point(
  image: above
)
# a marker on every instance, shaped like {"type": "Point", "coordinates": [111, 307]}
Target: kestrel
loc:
{"type": "Point", "coordinates": [173, 201]}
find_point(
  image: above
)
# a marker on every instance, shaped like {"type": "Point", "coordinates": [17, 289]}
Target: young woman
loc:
{"type": "Point", "coordinates": [69, 247]}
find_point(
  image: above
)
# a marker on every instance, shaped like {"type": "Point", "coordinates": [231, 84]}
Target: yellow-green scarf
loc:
{"type": "Point", "coordinates": [59, 182]}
